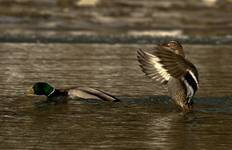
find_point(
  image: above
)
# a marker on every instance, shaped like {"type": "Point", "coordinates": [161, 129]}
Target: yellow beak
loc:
{"type": "Point", "coordinates": [30, 92]}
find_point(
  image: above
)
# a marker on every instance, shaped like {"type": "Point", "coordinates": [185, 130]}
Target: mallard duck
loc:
{"type": "Point", "coordinates": [57, 95]}
{"type": "Point", "coordinates": [168, 65]}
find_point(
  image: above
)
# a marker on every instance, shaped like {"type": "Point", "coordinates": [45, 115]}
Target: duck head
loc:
{"type": "Point", "coordinates": [175, 46]}
{"type": "Point", "coordinates": [41, 88]}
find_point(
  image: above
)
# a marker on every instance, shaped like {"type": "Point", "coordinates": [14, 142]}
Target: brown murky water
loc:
{"type": "Point", "coordinates": [41, 41]}
{"type": "Point", "coordinates": [144, 120]}
{"type": "Point", "coordinates": [115, 17]}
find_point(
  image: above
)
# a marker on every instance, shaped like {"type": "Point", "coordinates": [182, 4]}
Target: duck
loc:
{"type": "Point", "coordinates": [62, 95]}
{"type": "Point", "coordinates": [168, 65]}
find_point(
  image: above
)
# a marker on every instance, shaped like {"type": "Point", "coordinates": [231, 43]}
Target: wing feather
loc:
{"type": "Point", "coordinates": [163, 63]}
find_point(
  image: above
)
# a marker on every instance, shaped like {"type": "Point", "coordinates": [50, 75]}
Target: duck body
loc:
{"type": "Point", "coordinates": [62, 95]}
{"type": "Point", "coordinates": [58, 96]}
{"type": "Point", "coordinates": [176, 92]}
{"type": "Point", "coordinates": [91, 93]}
{"type": "Point", "coordinates": [168, 65]}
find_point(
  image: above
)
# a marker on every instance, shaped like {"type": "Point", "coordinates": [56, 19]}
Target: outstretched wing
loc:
{"type": "Point", "coordinates": [164, 63]}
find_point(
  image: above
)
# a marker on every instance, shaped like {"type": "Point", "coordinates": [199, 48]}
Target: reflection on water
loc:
{"type": "Point", "coordinates": [173, 33]}
{"type": "Point", "coordinates": [114, 68]}
{"type": "Point", "coordinates": [87, 2]}
{"type": "Point", "coordinates": [141, 121]}
{"type": "Point", "coordinates": [146, 119]}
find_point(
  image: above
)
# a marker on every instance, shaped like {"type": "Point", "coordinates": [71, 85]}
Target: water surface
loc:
{"type": "Point", "coordinates": [146, 118]}
{"type": "Point", "coordinates": [93, 43]}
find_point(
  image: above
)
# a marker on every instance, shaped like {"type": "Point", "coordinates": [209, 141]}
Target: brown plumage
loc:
{"type": "Point", "coordinates": [167, 64]}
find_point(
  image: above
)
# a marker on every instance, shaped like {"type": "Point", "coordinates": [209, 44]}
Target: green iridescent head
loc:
{"type": "Point", "coordinates": [41, 88]}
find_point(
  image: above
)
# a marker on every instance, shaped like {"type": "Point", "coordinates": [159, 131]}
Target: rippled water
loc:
{"type": "Point", "coordinates": [115, 17]}
{"type": "Point", "coordinates": [93, 43]}
{"type": "Point", "coordinates": [146, 118]}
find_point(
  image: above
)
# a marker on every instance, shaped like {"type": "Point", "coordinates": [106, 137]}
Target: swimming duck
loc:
{"type": "Point", "coordinates": [61, 95]}
{"type": "Point", "coordinates": [168, 65]}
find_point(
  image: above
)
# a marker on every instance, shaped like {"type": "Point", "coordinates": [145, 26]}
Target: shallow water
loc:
{"type": "Point", "coordinates": [146, 118]}
{"type": "Point", "coordinates": [93, 43]}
